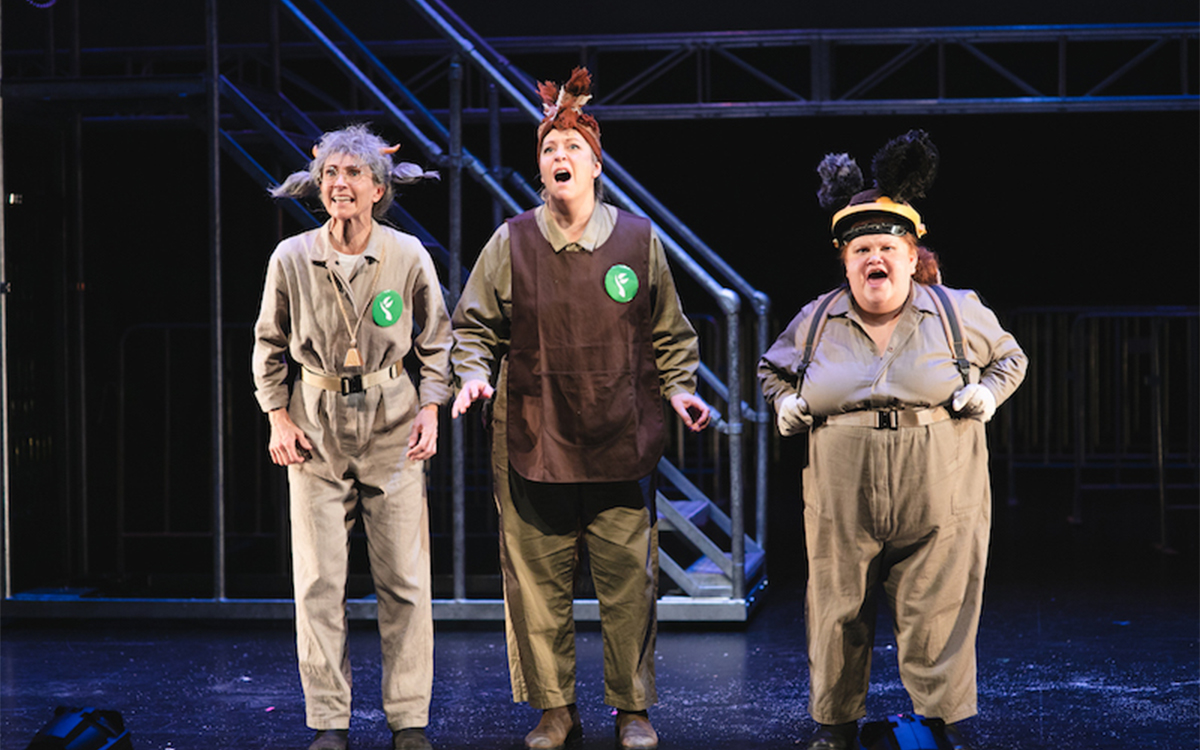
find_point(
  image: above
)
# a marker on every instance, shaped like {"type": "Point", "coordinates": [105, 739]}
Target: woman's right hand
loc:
{"type": "Point", "coordinates": [792, 415]}
{"type": "Point", "coordinates": [289, 445]}
{"type": "Point", "coordinates": [471, 391]}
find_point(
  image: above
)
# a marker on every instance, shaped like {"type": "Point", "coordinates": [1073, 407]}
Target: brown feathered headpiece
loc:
{"type": "Point", "coordinates": [563, 109]}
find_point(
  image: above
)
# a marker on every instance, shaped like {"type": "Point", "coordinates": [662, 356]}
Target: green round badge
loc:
{"type": "Point", "coordinates": [387, 308]}
{"type": "Point", "coordinates": [621, 283]}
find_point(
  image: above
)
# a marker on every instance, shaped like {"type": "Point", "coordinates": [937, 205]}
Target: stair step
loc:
{"type": "Point", "coordinates": [705, 566]}
{"type": "Point", "coordinates": [695, 511]}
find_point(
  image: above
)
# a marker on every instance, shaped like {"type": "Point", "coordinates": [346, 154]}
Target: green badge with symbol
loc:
{"type": "Point", "coordinates": [387, 308]}
{"type": "Point", "coordinates": [621, 283]}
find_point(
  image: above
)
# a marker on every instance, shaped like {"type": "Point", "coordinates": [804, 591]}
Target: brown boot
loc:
{"type": "Point", "coordinates": [557, 727]}
{"type": "Point", "coordinates": [634, 730]}
{"type": "Point", "coordinates": [411, 739]}
{"type": "Point", "coordinates": [331, 739]}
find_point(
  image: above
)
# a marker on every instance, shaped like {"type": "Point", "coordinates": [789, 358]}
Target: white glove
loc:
{"type": "Point", "coordinates": [974, 401]}
{"type": "Point", "coordinates": [793, 416]}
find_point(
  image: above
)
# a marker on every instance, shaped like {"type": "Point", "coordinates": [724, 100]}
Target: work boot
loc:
{"type": "Point", "coordinates": [634, 730]}
{"type": "Point", "coordinates": [834, 737]}
{"type": "Point", "coordinates": [557, 727]}
{"type": "Point", "coordinates": [331, 739]}
{"type": "Point", "coordinates": [410, 739]}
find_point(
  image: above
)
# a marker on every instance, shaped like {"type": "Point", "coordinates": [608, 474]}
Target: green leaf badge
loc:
{"type": "Point", "coordinates": [621, 283]}
{"type": "Point", "coordinates": [387, 308]}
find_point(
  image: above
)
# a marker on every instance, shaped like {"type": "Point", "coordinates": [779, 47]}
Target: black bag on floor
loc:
{"type": "Point", "coordinates": [82, 729]}
{"type": "Point", "coordinates": [904, 732]}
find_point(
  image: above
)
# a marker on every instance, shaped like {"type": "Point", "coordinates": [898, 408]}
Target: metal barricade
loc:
{"type": "Point", "coordinates": [1111, 395]}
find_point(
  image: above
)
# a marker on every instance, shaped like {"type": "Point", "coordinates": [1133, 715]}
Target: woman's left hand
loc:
{"type": "Point", "coordinates": [974, 401]}
{"type": "Point", "coordinates": [422, 441]}
{"type": "Point", "coordinates": [684, 403]}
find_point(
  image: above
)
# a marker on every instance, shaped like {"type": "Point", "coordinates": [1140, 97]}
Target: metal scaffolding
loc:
{"type": "Point", "coordinates": [263, 103]}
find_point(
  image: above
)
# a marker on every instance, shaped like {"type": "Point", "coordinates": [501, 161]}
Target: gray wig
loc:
{"type": "Point", "coordinates": [359, 142]}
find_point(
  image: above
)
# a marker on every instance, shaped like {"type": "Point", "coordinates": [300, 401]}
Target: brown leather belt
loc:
{"type": "Point", "coordinates": [348, 384]}
{"type": "Point", "coordinates": [891, 420]}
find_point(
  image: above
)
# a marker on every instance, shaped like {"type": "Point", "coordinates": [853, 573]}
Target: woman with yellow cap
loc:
{"type": "Point", "coordinates": [893, 377]}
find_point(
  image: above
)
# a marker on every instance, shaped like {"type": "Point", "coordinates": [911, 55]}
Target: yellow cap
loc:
{"type": "Point", "coordinates": [880, 204]}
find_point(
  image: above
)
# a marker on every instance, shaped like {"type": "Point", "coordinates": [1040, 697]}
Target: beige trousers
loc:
{"type": "Point", "coordinates": [541, 528]}
{"type": "Point", "coordinates": [908, 511]}
{"type": "Point", "coordinates": [388, 491]}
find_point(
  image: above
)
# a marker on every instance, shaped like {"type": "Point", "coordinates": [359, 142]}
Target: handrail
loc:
{"type": "Point", "coordinates": [435, 152]}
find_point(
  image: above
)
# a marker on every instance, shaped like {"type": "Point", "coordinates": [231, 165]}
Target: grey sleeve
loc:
{"type": "Point", "coordinates": [272, 332]}
{"type": "Point", "coordinates": [1001, 360]}
{"type": "Point", "coordinates": [480, 321]}
{"type": "Point", "coordinates": [432, 344]}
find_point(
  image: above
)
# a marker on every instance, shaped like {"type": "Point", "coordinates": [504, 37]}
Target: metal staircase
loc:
{"type": "Point", "coordinates": [715, 570]}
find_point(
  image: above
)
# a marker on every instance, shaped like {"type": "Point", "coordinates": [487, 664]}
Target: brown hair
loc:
{"type": "Point", "coordinates": [928, 270]}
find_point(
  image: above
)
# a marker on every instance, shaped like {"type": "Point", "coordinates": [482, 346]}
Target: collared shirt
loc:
{"type": "Point", "coordinates": [917, 370]}
{"type": "Point", "coordinates": [482, 318]}
{"type": "Point", "coordinates": [300, 316]}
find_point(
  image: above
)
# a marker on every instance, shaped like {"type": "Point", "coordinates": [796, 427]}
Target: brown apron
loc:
{"type": "Point", "coordinates": [583, 393]}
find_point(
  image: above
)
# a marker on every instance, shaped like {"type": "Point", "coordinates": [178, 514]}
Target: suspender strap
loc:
{"type": "Point", "coordinates": [815, 326]}
{"type": "Point", "coordinates": [948, 312]}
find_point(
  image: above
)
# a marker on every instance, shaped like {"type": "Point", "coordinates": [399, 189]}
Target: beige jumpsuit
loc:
{"type": "Point", "coordinates": [358, 464]}
{"type": "Point", "coordinates": [538, 540]}
{"type": "Point", "coordinates": [906, 508]}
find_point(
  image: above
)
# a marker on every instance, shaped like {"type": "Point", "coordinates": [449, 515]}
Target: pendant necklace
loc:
{"type": "Point", "coordinates": [353, 359]}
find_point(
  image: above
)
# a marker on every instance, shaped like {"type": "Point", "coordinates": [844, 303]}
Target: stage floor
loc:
{"type": "Point", "coordinates": [1063, 663]}
{"type": "Point", "coordinates": [1088, 641]}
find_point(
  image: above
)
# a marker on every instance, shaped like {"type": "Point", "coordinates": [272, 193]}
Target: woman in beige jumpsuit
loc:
{"type": "Point", "coordinates": [346, 303]}
{"type": "Point", "coordinates": [896, 490]}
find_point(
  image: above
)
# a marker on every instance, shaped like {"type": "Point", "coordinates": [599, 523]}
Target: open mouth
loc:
{"type": "Point", "coordinates": [877, 275]}
{"type": "Point", "coordinates": [562, 176]}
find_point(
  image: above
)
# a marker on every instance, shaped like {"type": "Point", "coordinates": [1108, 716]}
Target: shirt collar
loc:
{"type": "Point", "coordinates": [919, 299]}
{"type": "Point", "coordinates": [322, 251]}
{"type": "Point", "coordinates": [599, 225]}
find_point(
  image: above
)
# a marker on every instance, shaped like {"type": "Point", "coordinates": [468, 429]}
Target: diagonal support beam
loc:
{"type": "Point", "coordinates": [1007, 74]}
{"type": "Point", "coordinates": [1120, 72]}
{"type": "Point", "coordinates": [758, 74]}
{"type": "Point", "coordinates": [647, 76]}
{"type": "Point", "coordinates": [886, 70]}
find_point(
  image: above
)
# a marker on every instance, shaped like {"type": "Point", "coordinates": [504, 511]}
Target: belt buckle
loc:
{"type": "Point", "coordinates": [888, 420]}
{"type": "Point", "coordinates": [352, 384]}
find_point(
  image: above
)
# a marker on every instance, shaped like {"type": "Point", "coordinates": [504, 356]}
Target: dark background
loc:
{"type": "Point", "coordinates": [1029, 208]}
{"type": "Point", "coordinates": [1037, 210]}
